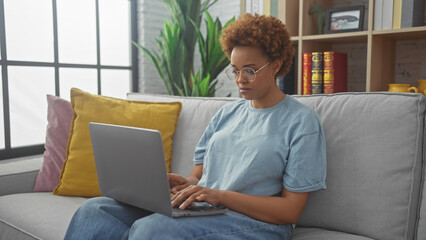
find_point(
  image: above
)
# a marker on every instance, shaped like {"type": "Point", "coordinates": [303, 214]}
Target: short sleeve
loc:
{"type": "Point", "coordinates": [307, 165]}
{"type": "Point", "coordinates": [201, 147]}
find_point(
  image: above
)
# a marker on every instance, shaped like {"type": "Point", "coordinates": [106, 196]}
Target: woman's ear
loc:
{"type": "Point", "coordinates": [277, 65]}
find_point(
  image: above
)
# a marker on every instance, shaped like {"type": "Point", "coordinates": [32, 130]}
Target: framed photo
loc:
{"type": "Point", "coordinates": [344, 19]}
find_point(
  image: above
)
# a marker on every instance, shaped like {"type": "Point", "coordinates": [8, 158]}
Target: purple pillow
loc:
{"type": "Point", "coordinates": [59, 116]}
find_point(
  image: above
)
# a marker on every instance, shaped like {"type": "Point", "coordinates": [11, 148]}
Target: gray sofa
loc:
{"type": "Point", "coordinates": [376, 171]}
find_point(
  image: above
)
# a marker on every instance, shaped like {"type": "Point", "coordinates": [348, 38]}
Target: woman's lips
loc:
{"type": "Point", "coordinates": [244, 90]}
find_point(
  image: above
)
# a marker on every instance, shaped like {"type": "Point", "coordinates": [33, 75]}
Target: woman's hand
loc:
{"type": "Point", "coordinates": [177, 182]}
{"type": "Point", "coordinates": [196, 193]}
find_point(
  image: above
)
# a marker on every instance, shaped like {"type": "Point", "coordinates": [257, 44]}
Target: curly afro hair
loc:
{"type": "Point", "coordinates": [266, 32]}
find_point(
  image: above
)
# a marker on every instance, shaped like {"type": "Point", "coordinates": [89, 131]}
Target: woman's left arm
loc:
{"type": "Point", "coordinates": [276, 210]}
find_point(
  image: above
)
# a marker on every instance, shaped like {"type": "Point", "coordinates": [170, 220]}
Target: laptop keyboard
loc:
{"type": "Point", "coordinates": [198, 207]}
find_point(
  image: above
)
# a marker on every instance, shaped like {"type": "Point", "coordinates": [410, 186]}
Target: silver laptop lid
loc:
{"type": "Point", "coordinates": [130, 159]}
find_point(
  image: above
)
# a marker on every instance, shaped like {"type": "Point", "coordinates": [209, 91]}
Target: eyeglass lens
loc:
{"type": "Point", "coordinates": [248, 74]}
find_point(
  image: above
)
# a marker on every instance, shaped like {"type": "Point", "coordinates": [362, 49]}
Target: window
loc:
{"type": "Point", "coordinates": [50, 46]}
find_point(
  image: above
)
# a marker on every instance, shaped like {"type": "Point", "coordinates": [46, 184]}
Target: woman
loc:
{"type": "Point", "coordinates": [260, 156]}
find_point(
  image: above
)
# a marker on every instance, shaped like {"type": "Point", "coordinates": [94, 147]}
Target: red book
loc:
{"type": "Point", "coordinates": [335, 72]}
{"type": "Point", "coordinates": [307, 74]}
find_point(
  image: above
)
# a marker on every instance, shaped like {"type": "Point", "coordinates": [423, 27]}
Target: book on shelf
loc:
{"type": "Point", "coordinates": [290, 79]}
{"type": "Point", "coordinates": [266, 7]}
{"type": "Point", "coordinates": [270, 7]}
{"type": "Point", "coordinates": [287, 83]}
{"type": "Point", "coordinates": [387, 16]}
{"type": "Point", "coordinates": [306, 75]}
{"type": "Point", "coordinates": [324, 72]}
{"type": "Point", "coordinates": [255, 6]}
{"type": "Point", "coordinates": [412, 14]}
{"type": "Point", "coordinates": [397, 11]}
{"type": "Point", "coordinates": [378, 14]}
{"type": "Point", "coordinates": [274, 8]}
{"type": "Point", "coordinates": [317, 72]}
{"type": "Point", "coordinates": [335, 72]}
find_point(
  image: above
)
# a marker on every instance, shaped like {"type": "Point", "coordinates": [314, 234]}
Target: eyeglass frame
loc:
{"type": "Point", "coordinates": [239, 72]}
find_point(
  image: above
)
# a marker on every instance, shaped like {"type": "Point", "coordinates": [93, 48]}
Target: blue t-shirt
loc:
{"type": "Point", "coordinates": [260, 151]}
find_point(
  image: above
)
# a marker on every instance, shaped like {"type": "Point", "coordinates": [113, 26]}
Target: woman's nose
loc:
{"type": "Point", "coordinates": [240, 78]}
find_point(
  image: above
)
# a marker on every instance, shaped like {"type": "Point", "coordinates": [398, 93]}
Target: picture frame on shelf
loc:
{"type": "Point", "coordinates": [344, 19]}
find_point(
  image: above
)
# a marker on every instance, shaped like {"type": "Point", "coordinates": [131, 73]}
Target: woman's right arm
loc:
{"type": "Point", "coordinates": [177, 182]}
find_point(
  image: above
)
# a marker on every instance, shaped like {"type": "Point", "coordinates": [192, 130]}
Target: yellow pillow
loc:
{"type": "Point", "coordinates": [78, 176]}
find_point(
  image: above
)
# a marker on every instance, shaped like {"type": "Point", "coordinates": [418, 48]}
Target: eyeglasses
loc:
{"type": "Point", "coordinates": [248, 73]}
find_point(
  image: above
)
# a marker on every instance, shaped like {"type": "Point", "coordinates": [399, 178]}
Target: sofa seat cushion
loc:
{"type": "Point", "coordinates": [36, 215]}
{"type": "Point", "coordinates": [301, 233]}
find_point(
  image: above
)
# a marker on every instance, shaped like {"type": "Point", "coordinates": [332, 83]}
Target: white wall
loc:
{"type": "Point", "coordinates": [151, 15]}
{"type": "Point", "coordinates": [225, 10]}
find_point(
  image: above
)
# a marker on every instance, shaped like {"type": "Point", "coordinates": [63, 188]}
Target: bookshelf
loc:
{"type": "Point", "coordinates": [376, 58]}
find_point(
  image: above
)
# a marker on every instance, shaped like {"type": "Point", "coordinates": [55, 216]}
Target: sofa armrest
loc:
{"type": "Point", "coordinates": [19, 175]}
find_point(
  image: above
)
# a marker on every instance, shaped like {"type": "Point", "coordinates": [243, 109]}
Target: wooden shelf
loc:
{"type": "Point", "coordinates": [403, 33]}
{"type": "Point", "coordinates": [339, 37]}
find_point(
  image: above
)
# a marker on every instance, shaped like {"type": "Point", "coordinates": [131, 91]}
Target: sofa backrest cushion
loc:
{"type": "Point", "coordinates": [421, 231]}
{"type": "Point", "coordinates": [195, 115]}
{"type": "Point", "coordinates": [374, 164]}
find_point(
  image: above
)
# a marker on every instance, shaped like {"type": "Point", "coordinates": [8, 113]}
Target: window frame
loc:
{"type": "Point", "coordinates": [9, 152]}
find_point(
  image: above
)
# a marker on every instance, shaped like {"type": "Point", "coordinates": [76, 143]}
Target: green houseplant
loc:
{"type": "Point", "coordinates": [176, 44]}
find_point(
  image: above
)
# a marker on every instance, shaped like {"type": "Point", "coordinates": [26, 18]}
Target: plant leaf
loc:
{"type": "Point", "coordinates": [185, 85]}
{"type": "Point", "coordinates": [206, 5]}
{"type": "Point", "coordinates": [204, 86]}
{"type": "Point", "coordinates": [179, 90]}
{"type": "Point", "coordinates": [155, 59]}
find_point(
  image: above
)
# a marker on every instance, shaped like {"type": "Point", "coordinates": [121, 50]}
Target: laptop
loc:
{"type": "Point", "coordinates": [131, 169]}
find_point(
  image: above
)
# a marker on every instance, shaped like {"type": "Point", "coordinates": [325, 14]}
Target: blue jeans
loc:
{"type": "Point", "coordinates": [105, 218]}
